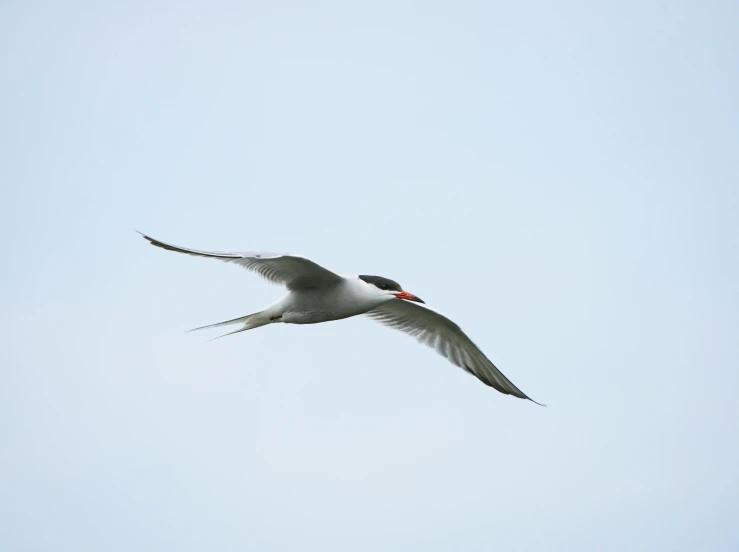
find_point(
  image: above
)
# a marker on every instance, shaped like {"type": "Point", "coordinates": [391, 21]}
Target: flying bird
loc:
{"type": "Point", "coordinates": [316, 294]}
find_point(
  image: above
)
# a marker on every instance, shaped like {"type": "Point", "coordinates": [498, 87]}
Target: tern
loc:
{"type": "Point", "coordinates": [316, 294]}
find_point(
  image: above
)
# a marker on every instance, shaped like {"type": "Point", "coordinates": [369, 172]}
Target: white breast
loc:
{"type": "Point", "coordinates": [350, 297]}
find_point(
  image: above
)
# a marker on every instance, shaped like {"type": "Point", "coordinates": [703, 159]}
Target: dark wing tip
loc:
{"type": "Point", "coordinates": [525, 397]}
{"type": "Point", "coordinates": [148, 238]}
{"type": "Point", "coordinates": [158, 243]}
{"type": "Point", "coordinates": [499, 388]}
{"type": "Point", "coordinates": [210, 254]}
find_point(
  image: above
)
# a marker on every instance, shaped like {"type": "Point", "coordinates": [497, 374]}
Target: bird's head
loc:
{"type": "Point", "coordinates": [389, 288]}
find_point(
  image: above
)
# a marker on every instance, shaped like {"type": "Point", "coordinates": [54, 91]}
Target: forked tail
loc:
{"type": "Point", "coordinates": [250, 321]}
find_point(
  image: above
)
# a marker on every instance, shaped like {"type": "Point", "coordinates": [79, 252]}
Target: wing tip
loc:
{"type": "Point", "coordinates": [536, 402]}
{"type": "Point", "coordinates": [515, 392]}
{"type": "Point", "coordinates": [524, 396]}
{"type": "Point", "coordinates": [157, 243]}
{"type": "Point", "coordinates": [169, 247]}
{"type": "Point", "coordinates": [147, 238]}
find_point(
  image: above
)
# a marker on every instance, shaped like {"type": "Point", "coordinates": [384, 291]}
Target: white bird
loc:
{"type": "Point", "coordinates": [315, 294]}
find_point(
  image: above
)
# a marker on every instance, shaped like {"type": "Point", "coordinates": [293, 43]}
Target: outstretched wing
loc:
{"type": "Point", "coordinates": [437, 331]}
{"type": "Point", "coordinates": [291, 271]}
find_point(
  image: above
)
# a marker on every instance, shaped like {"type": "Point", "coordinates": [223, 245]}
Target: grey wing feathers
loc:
{"type": "Point", "coordinates": [292, 271]}
{"type": "Point", "coordinates": [438, 332]}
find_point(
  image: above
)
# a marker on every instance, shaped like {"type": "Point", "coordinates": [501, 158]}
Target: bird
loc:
{"type": "Point", "coordinates": [316, 294]}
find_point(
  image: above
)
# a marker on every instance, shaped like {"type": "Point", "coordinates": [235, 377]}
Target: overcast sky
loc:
{"type": "Point", "coordinates": [560, 178]}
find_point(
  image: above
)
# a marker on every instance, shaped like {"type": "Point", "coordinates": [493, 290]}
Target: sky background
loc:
{"type": "Point", "coordinates": [560, 178]}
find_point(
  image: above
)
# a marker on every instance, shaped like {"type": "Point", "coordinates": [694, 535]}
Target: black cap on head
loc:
{"type": "Point", "coordinates": [381, 283]}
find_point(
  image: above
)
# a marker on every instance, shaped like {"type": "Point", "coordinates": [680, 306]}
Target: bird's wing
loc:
{"type": "Point", "coordinates": [437, 331]}
{"type": "Point", "coordinates": [291, 271]}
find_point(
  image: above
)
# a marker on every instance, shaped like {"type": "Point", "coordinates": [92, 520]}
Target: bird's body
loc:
{"type": "Point", "coordinates": [317, 295]}
{"type": "Point", "coordinates": [344, 299]}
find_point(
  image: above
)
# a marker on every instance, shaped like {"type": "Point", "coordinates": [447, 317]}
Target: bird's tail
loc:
{"type": "Point", "coordinates": [250, 321]}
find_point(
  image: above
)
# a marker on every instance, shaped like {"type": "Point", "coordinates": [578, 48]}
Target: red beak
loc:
{"type": "Point", "coordinates": [409, 297]}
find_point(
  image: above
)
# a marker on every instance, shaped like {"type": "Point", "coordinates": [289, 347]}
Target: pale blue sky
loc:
{"type": "Point", "coordinates": [558, 177]}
